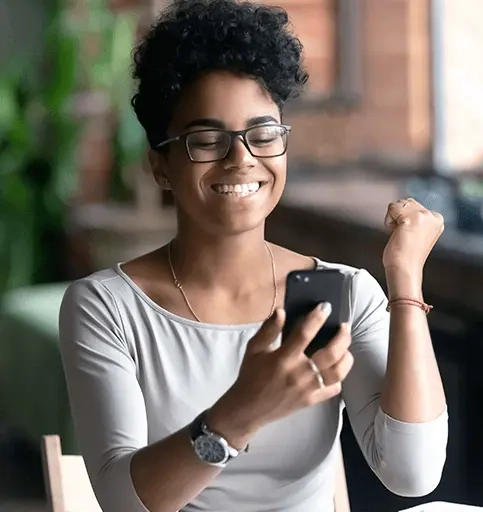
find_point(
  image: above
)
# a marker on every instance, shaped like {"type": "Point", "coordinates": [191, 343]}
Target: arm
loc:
{"type": "Point", "coordinates": [407, 455]}
{"type": "Point", "coordinates": [413, 390]}
{"type": "Point", "coordinates": [110, 416]}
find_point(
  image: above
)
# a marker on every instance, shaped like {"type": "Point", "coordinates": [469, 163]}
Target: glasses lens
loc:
{"type": "Point", "coordinates": [208, 145]}
{"type": "Point", "coordinates": [267, 140]}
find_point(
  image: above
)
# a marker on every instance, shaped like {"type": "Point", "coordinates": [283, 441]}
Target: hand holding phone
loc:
{"type": "Point", "coordinates": [308, 368]}
{"type": "Point", "coordinates": [304, 291]}
{"type": "Point", "coordinates": [276, 382]}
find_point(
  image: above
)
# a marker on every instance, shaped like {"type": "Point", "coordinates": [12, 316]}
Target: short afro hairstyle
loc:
{"type": "Point", "coordinates": [194, 37]}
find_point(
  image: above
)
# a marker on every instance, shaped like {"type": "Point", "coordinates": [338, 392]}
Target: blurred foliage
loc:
{"type": "Point", "coordinates": [109, 71]}
{"type": "Point", "coordinates": [39, 134]}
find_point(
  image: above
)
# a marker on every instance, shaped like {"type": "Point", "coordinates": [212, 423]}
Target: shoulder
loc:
{"type": "Point", "coordinates": [367, 299]}
{"type": "Point", "coordinates": [89, 312]}
{"type": "Point", "coordinates": [362, 280]}
{"type": "Point", "coordinates": [345, 269]}
{"type": "Point", "coordinates": [360, 276]}
{"type": "Point", "coordinates": [94, 292]}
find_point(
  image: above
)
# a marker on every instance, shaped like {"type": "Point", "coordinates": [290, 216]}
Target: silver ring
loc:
{"type": "Point", "coordinates": [316, 371]}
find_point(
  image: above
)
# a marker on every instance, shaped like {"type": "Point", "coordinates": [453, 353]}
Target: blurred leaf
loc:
{"type": "Point", "coordinates": [20, 133]}
{"type": "Point", "coordinates": [123, 38]}
{"type": "Point", "coordinates": [64, 181]}
{"type": "Point", "coordinates": [62, 83]}
{"type": "Point", "coordinates": [10, 163]}
{"type": "Point", "coordinates": [39, 135]}
{"type": "Point", "coordinates": [131, 139]}
{"type": "Point", "coordinates": [16, 196]}
{"type": "Point", "coordinates": [8, 105]}
{"type": "Point", "coordinates": [21, 252]}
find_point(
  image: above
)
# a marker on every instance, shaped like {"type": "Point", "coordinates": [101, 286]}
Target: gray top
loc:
{"type": "Point", "coordinates": [137, 373]}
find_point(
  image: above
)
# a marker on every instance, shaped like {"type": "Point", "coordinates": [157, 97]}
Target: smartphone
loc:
{"type": "Point", "coordinates": [305, 289]}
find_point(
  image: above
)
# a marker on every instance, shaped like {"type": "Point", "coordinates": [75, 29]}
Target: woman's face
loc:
{"type": "Point", "coordinates": [206, 194]}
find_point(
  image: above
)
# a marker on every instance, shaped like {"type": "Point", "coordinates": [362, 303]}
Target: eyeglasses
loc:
{"type": "Point", "coordinates": [212, 145]}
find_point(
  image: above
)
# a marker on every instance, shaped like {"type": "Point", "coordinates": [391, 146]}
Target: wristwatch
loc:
{"type": "Point", "coordinates": [210, 447]}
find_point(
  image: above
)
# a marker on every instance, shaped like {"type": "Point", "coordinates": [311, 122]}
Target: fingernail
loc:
{"type": "Point", "coordinates": [345, 327]}
{"type": "Point", "coordinates": [326, 308]}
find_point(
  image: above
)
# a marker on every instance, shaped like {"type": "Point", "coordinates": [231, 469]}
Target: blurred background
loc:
{"type": "Point", "coordinates": [394, 109]}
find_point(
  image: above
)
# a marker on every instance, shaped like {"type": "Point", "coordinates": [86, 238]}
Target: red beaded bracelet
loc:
{"type": "Point", "coordinates": [410, 302]}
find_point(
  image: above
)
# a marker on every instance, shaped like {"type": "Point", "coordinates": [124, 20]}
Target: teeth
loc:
{"type": "Point", "coordinates": [240, 189]}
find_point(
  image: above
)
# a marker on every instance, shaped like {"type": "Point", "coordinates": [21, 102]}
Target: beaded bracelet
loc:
{"type": "Point", "coordinates": [410, 302]}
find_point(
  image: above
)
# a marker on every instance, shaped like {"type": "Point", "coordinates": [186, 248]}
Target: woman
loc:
{"type": "Point", "coordinates": [173, 360]}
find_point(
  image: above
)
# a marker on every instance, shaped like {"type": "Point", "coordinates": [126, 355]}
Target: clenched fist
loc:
{"type": "Point", "coordinates": [413, 232]}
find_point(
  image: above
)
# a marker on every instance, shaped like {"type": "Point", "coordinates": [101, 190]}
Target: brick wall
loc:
{"type": "Point", "coordinates": [314, 23]}
{"type": "Point", "coordinates": [393, 118]}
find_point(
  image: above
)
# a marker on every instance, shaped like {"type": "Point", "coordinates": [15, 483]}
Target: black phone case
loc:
{"type": "Point", "coordinates": [305, 290]}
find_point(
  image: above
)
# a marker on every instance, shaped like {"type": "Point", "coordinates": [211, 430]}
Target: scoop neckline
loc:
{"type": "Point", "coordinates": [181, 319]}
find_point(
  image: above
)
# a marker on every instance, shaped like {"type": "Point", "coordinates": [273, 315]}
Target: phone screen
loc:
{"type": "Point", "coordinates": [305, 290]}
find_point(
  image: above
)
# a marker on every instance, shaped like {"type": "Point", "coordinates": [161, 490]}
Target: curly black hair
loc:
{"type": "Point", "coordinates": [192, 37]}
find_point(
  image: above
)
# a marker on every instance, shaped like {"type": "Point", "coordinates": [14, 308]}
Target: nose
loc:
{"type": "Point", "coordinates": [239, 156]}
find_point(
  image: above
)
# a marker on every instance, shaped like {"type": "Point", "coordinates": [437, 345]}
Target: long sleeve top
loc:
{"type": "Point", "coordinates": [137, 373]}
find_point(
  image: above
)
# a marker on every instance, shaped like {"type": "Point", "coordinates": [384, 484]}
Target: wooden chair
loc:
{"type": "Point", "coordinates": [67, 485]}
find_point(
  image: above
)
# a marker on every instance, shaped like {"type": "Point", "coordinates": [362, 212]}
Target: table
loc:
{"type": "Point", "coordinates": [442, 506]}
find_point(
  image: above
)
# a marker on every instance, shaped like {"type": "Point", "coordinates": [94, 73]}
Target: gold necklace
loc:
{"type": "Point", "coordinates": [180, 287]}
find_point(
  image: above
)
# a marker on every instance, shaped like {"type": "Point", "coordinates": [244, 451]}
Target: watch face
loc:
{"type": "Point", "coordinates": [210, 450]}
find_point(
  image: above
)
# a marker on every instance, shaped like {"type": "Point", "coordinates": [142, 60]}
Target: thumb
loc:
{"type": "Point", "coordinates": [268, 332]}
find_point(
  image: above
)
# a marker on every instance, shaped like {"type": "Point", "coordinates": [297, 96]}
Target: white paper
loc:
{"type": "Point", "coordinates": [442, 506]}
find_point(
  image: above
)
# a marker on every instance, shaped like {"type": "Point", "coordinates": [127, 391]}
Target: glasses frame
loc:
{"type": "Point", "coordinates": [232, 133]}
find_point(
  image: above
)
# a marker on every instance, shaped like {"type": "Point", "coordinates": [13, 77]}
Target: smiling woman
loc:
{"type": "Point", "coordinates": [173, 360]}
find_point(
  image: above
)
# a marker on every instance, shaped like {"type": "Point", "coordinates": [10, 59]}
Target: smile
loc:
{"type": "Point", "coordinates": [238, 189]}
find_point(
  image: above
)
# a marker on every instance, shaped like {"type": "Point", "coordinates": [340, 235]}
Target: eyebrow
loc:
{"type": "Point", "coordinates": [216, 123]}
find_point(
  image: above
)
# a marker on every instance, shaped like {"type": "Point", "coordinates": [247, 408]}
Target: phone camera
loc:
{"type": "Point", "coordinates": [297, 276]}
{"type": "Point", "coordinates": [306, 279]}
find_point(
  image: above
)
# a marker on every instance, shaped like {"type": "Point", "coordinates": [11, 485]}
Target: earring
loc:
{"type": "Point", "coordinates": [166, 184]}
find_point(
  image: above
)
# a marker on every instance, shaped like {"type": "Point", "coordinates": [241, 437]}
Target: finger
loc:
{"type": "Point", "coordinates": [335, 350]}
{"type": "Point", "coordinates": [439, 218]}
{"type": "Point", "coordinates": [323, 394]}
{"type": "Point", "coordinates": [394, 209]}
{"type": "Point", "coordinates": [305, 377]}
{"type": "Point", "coordinates": [403, 204]}
{"type": "Point", "coordinates": [409, 202]}
{"type": "Point", "coordinates": [402, 213]}
{"type": "Point", "coordinates": [389, 222]}
{"type": "Point", "coordinates": [268, 332]}
{"type": "Point", "coordinates": [315, 372]}
{"type": "Point", "coordinates": [338, 372]}
{"type": "Point", "coordinates": [306, 330]}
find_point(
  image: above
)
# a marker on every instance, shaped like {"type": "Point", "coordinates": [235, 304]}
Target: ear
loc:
{"type": "Point", "coordinates": [157, 161]}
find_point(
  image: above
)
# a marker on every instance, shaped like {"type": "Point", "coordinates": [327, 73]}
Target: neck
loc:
{"type": "Point", "coordinates": [232, 263]}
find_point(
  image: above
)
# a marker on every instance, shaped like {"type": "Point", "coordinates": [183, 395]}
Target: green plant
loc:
{"type": "Point", "coordinates": [37, 160]}
{"type": "Point", "coordinates": [109, 72]}
{"type": "Point", "coordinates": [39, 135]}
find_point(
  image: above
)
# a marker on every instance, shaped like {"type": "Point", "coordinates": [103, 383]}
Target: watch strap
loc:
{"type": "Point", "coordinates": [198, 427]}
